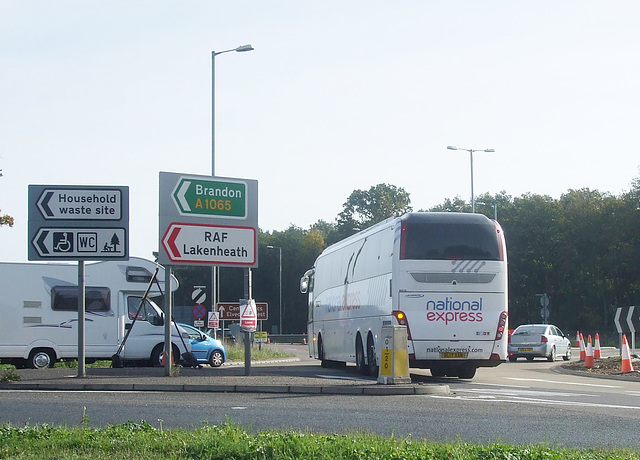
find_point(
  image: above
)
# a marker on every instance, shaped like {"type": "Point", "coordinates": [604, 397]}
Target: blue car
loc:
{"type": "Point", "coordinates": [205, 348]}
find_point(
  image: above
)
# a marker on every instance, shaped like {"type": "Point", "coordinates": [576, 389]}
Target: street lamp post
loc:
{"type": "Point", "coordinates": [495, 208]}
{"type": "Point", "coordinates": [451, 147]}
{"type": "Point", "coordinates": [239, 49]}
{"type": "Point", "coordinates": [280, 291]}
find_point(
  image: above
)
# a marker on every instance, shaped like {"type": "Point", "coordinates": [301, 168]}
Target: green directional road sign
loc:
{"type": "Point", "coordinates": [211, 197]}
{"type": "Point", "coordinates": [208, 219]}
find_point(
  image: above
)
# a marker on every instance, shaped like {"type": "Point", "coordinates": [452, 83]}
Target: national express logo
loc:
{"type": "Point", "coordinates": [450, 310]}
{"type": "Point", "coordinates": [347, 302]}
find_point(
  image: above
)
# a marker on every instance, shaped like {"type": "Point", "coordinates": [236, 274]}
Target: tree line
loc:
{"type": "Point", "coordinates": [582, 250]}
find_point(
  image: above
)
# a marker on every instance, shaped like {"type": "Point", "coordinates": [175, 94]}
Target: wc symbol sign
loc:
{"type": "Point", "coordinates": [87, 242]}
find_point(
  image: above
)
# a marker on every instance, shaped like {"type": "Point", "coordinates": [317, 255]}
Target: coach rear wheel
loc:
{"type": "Point", "coordinates": [371, 356]}
{"type": "Point", "coordinates": [437, 371]}
{"type": "Point", "coordinates": [323, 362]}
{"type": "Point", "coordinates": [360, 364]}
{"type": "Point", "coordinates": [467, 372]}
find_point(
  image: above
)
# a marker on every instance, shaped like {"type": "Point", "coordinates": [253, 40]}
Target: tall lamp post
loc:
{"type": "Point", "coordinates": [495, 208]}
{"type": "Point", "coordinates": [239, 49]}
{"type": "Point", "coordinates": [451, 147]}
{"type": "Point", "coordinates": [280, 308]}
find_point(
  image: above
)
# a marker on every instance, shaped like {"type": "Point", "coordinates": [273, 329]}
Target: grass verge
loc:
{"type": "Point", "coordinates": [235, 352]}
{"type": "Point", "coordinates": [141, 440]}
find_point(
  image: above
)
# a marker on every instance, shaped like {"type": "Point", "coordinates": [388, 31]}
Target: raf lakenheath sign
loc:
{"type": "Point", "coordinates": [76, 222]}
{"type": "Point", "coordinates": [208, 220]}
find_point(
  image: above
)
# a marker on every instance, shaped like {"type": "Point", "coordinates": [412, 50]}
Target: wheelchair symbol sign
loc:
{"type": "Point", "coordinates": [63, 242]}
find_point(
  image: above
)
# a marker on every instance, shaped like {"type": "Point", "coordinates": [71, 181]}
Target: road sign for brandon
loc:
{"type": "Point", "coordinates": [208, 220]}
{"type": "Point", "coordinates": [78, 222]}
{"type": "Point", "coordinates": [211, 197]}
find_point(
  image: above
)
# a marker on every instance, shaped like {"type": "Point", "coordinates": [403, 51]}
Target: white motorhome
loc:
{"type": "Point", "coordinates": [442, 275]}
{"type": "Point", "coordinates": [39, 311]}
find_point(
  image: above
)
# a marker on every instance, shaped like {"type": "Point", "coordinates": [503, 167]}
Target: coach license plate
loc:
{"type": "Point", "coordinates": [453, 355]}
{"type": "Point", "coordinates": [526, 349]}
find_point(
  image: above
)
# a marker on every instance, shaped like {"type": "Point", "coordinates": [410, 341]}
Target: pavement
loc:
{"type": "Point", "coordinates": [299, 375]}
{"type": "Point", "coordinates": [296, 375]}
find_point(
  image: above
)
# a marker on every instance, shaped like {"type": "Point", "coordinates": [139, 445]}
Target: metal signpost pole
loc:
{"type": "Point", "coordinates": [167, 321]}
{"type": "Point", "coordinates": [81, 314]}
{"type": "Point", "coordinates": [247, 333]}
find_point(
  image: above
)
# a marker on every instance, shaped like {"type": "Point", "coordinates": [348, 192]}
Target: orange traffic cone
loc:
{"type": "Point", "coordinates": [304, 341]}
{"type": "Point", "coordinates": [578, 339]}
{"type": "Point", "coordinates": [626, 356]}
{"type": "Point", "coordinates": [163, 360]}
{"type": "Point", "coordinates": [583, 352]}
{"type": "Point", "coordinates": [588, 361]}
{"type": "Point", "coordinates": [597, 353]}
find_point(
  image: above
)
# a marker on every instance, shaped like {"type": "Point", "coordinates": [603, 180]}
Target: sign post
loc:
{"type": "Point", "coordinates": [78, 222]}
{"type": "Point", "coordinates": [209, 220]}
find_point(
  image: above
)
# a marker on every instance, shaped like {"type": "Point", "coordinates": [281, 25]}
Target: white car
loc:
{"type": "Point", "coordinates": [538, 340]}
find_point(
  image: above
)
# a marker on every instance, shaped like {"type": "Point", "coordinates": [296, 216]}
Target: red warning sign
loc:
{"type": "Point", "coordinates": [248, 315]}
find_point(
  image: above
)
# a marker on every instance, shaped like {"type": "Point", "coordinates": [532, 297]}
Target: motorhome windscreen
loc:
{"type": "Point", "coordinates": [449, 241]}
{"type": "Point", "coordinates": [145, 312]}
{"type": "Point", "coordinates": [65, 298]}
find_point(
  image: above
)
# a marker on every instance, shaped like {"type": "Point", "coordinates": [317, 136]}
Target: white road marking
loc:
{"type": "Point", "coordinates": [519, 392]}
{"type": "Point", "coordinates": [548, 402]}
{"type": "Point", "coordinates": [341, 377]}
{"type": "Point", "coordinates": [564, 383]}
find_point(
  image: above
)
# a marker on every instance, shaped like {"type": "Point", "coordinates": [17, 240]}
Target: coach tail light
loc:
{"type": "Point", "coordinates": [401, 318]}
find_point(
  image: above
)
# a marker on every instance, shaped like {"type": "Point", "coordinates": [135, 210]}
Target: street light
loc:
{"type": "Point", "coordinates": [280, 258]}
{"type": "Point", "coordinates": [451, 147]}
{"type": "Point", "coordinates": [495, 208]}
{"type": "Point", "coordinates": [239, 49]}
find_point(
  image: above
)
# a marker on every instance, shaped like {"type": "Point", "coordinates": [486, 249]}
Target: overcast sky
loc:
{"type": "Point", "coordinates": [337, 96]}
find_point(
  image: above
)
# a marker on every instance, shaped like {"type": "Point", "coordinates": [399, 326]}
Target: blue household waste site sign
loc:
{"type": "Point", "coordinates": [76, 222]}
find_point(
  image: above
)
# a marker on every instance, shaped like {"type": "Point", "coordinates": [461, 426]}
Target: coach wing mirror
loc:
{"type": "Point", "coordinates": [304, 281]}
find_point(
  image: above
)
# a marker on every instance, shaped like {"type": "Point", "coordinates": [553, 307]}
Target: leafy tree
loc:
{"type": "Point", "coordinates": [530, 226]}
{"type": "Point", "coordinates": [6, 219]}
{"type": "Point", "coordinates": [366, 208]}
{"type": "Point", "coordinates": [449, 205]}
